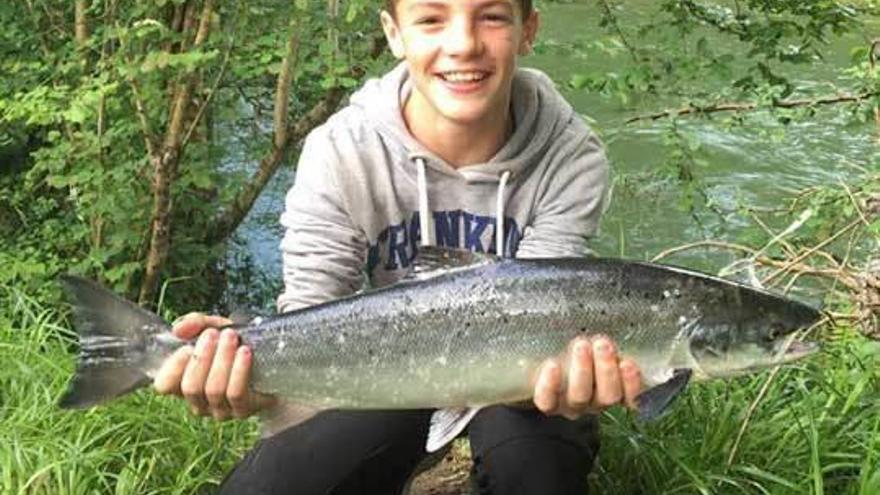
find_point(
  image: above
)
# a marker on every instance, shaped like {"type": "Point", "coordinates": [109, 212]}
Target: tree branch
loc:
{"type": "Point", "coordinates": [234, 214]}
{"type": "Point", "coordinates": [748, 106]}
{"type": "Point", "coordinates": [615, 26]}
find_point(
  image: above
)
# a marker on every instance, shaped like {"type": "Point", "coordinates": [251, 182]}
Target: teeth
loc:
{"type": "Point", "coordinates": [463, 76]}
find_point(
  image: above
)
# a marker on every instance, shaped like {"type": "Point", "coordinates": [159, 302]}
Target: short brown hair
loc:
{"type": "Point", "coordinates": [524, 5]}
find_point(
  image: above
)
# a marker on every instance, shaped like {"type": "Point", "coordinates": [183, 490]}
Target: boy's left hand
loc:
{"type": "Point", "coordinates": [590, 379]}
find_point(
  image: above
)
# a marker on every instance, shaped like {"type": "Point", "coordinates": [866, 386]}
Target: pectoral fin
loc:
{"type": "Point", "coordinates": [446, 424]}
{"type": "Point", "coordinates": [284, 415]}
{"type": "Point", "coordinates": [654, 401]}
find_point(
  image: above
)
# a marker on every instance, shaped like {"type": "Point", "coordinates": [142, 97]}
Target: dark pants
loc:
{"type": "Point", "coordinates": [515, 451]}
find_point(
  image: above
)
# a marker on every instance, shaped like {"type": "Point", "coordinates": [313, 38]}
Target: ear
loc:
{"type": "Point", "coordinates": [392, 34]}
{"type": "Point", "coordinates": [530, 31]}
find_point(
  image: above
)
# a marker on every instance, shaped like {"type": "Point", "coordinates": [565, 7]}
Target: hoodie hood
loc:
{"type": "Point", "coordinates": [540, 114]}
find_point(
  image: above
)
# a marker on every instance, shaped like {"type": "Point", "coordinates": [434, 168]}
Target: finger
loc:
{"type": "Point", "coordinates": [191, 325]}
{"type": "Point", "coordinates": [608, 382]}
{"type": "Point", "coordinates": [237, 390]}
{"type": "Point", "coordinates": [193, 383]}
{"type": "Point", "coordinates": [242, 399]}
{"type": "Point", "coordinates": [218, 377]}
{"type": "Point", "coordinates": [632, 382]}
{"type": "Point", "coordinates": [580, 376]}
{"type": "Point", "coordinates": [547, 387]}
{"type": "Point", "coordinates": [167, 380]}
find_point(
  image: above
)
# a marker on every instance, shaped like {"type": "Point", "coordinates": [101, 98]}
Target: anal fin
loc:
{"type": "Point", "coordinates": [446, 424]}
{"type": "Point", "coordinates": [654, 401]}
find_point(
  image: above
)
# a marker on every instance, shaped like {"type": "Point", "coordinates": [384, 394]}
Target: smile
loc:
{"type": "Point", "coordinates": [463, 76]}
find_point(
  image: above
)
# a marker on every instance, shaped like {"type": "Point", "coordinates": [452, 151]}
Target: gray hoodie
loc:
{"type": "Point", "coordinates": [363, 181]}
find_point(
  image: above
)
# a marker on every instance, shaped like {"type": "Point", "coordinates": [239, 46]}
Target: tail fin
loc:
{"type": "Point", "coordinates": [113, 337]}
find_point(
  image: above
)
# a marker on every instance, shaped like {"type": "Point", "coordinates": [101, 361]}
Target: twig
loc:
{"type": "Point", "coordinates": [686, 247]}
{"type": "Point", "coordinates": [204, 105]}
{"type": "Point", "coordinates": [872, 58]}
{"type": "Point", "coordinates": [764, 389]}
{"type": "Point", "coordinates": [612, 19]}
{"type": "Point", "coordinates": [752, 407]}
{"type": "Point", "coordinates": [810, 252]}
{"type": "Point", "coordinates": [854, 202]}
{"type": "Point", "coordinates": [788, 247]}
{"type": "Point", "coordinates": [744, 106]}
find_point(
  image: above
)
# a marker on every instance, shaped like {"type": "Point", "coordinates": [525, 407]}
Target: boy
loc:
{"type": "Point", "coordinates": [455, 147]}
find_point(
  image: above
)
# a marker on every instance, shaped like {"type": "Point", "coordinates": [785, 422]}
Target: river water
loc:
{"type": "Point", "coordinates": [760, 164]}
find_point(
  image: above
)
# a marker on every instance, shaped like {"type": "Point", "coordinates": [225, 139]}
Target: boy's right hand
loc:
{"type": "Point", "coordinates": [214, 375]}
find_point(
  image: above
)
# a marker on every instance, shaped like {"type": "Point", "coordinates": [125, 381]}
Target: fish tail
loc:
{"type": "Point", "coordinates": [113, 337]}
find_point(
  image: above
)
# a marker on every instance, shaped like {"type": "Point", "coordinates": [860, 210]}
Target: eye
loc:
{"type": "Point", "coordinates": [428, 20]}
{"type": "Point", "coordinates": [496, 18]}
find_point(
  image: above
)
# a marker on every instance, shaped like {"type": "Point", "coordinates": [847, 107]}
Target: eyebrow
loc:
{"type": "Point", "coordinates": [435, 4]}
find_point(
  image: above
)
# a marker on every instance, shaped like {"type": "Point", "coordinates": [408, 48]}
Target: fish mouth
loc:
{"type": "Point", "coordinates": [796, 349]}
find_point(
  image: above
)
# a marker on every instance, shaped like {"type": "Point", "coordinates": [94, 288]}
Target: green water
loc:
{"type": "Point", "coordinates": [760, 163]}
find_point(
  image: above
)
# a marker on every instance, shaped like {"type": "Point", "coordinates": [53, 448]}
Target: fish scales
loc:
{"type": "Point", "coordinates": [467, 337]}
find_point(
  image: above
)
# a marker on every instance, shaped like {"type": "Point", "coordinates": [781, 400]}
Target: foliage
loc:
{"type": "Point", "coordinates": [87, 122]}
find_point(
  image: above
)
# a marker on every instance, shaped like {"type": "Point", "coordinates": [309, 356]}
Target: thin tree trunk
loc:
{"type": "Point", "coordinates": [81, 27]}
{"type": "Point", "coordinates": [165, 166]}
{"type": "Point", "coordinates": [873, 53]}
{"type": "Point", "coordinates": [284, 137]}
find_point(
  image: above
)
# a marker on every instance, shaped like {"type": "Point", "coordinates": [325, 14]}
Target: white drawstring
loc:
{"type": "Point", "coordinates": [499, 212]}
{"type": "Point", "coordinates": [424, 212]}
{"type": "Point", "coordinates": [425, 218]}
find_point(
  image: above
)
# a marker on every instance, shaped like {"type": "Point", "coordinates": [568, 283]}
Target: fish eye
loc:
{"type": "Point", "coordinates": [776, 330]}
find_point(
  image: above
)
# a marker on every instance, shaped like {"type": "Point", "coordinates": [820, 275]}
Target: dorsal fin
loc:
{"type": "Point", "coordinates": [435, 260]}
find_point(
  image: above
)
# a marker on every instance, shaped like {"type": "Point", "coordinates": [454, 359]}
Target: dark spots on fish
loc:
{"type": "Point", "coordinates": [505, 320]}
{"type": "Point", "coordinates": [467, 324]}
{"type": "Point", "coordinates": [371, 352]}
{"type": "Point", "coordinates": [583, 329]}
{"type": "Point", "coordinates": [627, 293]}
{"type": "Point", "coordinates": [603, 312]}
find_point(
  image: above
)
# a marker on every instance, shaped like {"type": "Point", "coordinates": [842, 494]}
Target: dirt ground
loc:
{"type": "Point", "coordinates": [449, 476]}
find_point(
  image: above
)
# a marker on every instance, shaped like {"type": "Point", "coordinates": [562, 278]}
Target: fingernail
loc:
{"type": "Point", "coordinates": [601, 346]}
{"type": "Point", "coordinates": [207, 336]}
{"type": "Point", "coordinates": [228, 335]}
{"type": "Point", "coordinates": [581, 348]}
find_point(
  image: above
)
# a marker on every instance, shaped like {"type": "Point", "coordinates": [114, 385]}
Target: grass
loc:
{"type": "Point", "coordinates": [143, 444]}
{"type": "Point", "coordinates": [816, 430]}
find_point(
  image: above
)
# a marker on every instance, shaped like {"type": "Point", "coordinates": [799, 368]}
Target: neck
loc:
{"type": "Point", "coordinates": [459, 144]}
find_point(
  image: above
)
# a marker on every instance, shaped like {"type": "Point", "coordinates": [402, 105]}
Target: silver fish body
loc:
{"type": "Point", "coordinates": [467, 331]}
{"type": "Point", "coordinates": [476, 336]}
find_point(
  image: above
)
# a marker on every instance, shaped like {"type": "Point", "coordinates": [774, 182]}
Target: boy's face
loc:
{"type": "Point", "coordinates": [461, 53]}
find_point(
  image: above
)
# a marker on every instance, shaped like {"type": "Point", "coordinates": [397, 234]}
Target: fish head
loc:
{"type": "Point", "coordinates": [760, 334]}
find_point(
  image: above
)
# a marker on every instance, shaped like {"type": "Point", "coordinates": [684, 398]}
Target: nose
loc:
{"type": "Point", "coordinates": [462, 38]}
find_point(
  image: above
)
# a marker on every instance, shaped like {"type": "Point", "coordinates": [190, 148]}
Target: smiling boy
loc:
{"type": "Point", "coordinates": [456, 147]}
